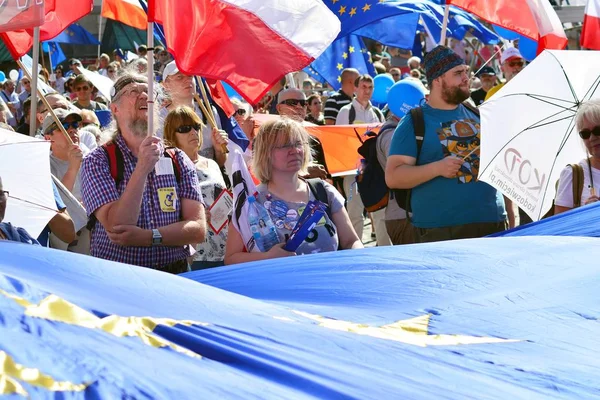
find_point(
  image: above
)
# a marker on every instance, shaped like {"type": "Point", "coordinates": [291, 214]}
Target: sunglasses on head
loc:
{"type": "Point", "coordinates": [294, 102]}
{"type": "Point", "coordinates": [516, 63]}
{"type": "Point", "coordinates": [188, 128]}
{"type": "Point", "coordinates": [241, 111]}
{"type": "Point", "coordinates": [586, 133]}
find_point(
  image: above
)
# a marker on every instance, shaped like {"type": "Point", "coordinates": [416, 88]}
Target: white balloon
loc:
{"type": "Point", "coordinates": [13, 74]}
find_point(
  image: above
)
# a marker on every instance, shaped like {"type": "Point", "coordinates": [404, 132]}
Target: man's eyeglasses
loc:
{"type": "Point", "coordinates": [240, 111]}
{"type": "Point", "coordinates": [516, 63]}
{"type": "Point", "coordinates": [586, 133]}
{"type": "Point", "coordinates": [294, 102]}
{"type": "Point", "coordinates": [289, 146]}
{"type": "Point", "coordinates": [188, 128]}
{"type": "Point", "coordinates": [82, 88]}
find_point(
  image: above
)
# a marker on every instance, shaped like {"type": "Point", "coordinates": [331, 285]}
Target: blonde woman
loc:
{"type": "Point", "coordinates": [587, 123]}
{"type": "Point", "coordinates": [183, 129]}
{"type": "Point", "coordinates": [280, 154]}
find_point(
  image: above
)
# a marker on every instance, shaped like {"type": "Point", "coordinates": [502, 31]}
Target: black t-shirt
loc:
{"type": "Point", "coordinates": [478, 96]}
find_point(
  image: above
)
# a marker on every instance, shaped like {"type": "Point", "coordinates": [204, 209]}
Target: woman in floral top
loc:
{"type": "Point", "coordinates": [182, 127]}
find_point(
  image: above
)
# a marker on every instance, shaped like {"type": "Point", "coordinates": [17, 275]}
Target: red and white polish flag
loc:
{"type": "Point", "coordinates": [590, 33]}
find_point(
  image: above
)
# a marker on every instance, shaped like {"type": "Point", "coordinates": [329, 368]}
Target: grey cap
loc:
{"type": "Point", "coordinates": [62, 114]}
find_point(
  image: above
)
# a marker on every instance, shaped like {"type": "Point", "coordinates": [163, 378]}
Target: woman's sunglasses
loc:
{"type": "Point", "coordinates": [240, 111]}
{"type": "Point", "coordinates": [586, 133]}
{"type": "Point", "coordinates": [188, 128]}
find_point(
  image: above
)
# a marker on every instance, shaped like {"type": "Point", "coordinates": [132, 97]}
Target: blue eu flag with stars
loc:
{"type": "Point", "coordinates": [346, 52]}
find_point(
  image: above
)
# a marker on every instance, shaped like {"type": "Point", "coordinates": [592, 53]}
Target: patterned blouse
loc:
{"type": "Point", "coordinates": [211, 185]}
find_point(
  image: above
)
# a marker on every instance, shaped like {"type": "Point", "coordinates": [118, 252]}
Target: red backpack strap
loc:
{"type": "Point", "coordinates": [170, 152]}
{"type": "Point", "coordinates": [115, 161]}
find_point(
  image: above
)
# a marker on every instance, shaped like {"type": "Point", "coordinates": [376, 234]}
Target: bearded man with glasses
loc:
{"type": "Point", "coordinates": [151, 210]}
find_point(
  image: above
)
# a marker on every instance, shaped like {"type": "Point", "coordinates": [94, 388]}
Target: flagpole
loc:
{"type": "Point", "coordinates": [34, 78]}
{"type": "Point", "coordinates": [99, 34]}
{"type": "Point", "coordinates": [150, 69]}
{"type": "Point", "coordinates": [445, 25]}
{"type": "Point", "coordinates": [50, 56]}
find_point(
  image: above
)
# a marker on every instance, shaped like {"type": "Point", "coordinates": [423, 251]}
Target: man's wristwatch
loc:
{"type": "Point", "coordinates": [156, 238]}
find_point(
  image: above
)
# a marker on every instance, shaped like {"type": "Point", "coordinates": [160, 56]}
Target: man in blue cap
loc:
{"type": "Point", "coordinates": [487, 76]}
{"type": "Point", "coordinates": [447, 200]}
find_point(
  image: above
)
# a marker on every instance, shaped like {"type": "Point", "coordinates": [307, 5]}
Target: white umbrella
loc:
{"type": "Point", "coordinates": [25, 173]}
{"type": "Point", "coordinates": [528, 132]}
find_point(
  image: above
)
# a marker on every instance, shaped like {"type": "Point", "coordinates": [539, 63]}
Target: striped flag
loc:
{"type": "Point", "coordinates": [129, 12]}
{"type": "Point", "coordinates": [590, 33]}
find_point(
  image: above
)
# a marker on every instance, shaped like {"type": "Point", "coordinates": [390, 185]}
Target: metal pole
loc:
{"type": "Point", "coordinates": [34, 80]}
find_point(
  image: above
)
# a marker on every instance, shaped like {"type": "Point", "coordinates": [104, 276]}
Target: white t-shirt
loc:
{"type": "Point", "coordinates": [564, 193]}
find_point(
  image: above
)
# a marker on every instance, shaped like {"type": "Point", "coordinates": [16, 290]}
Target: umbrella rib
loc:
{"type": "Point", "coordinates": [568, 80]}
{"type": "Point", "coordinates": [539, 125]}
{"type": "Point", "coordinates": [535, 96]}
{"type": "Point", "coordinates": [562, 144]}
{"type": "Point", "coordinates": [32, 203]}
{"type": "Point", "coordinates": [552, 104]}
{"type": "Point", "coordinates": [596, 83]}
{"type": "Point", "coordinates": [535, 125]}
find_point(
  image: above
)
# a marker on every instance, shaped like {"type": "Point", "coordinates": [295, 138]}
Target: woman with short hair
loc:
{"type": "Point", "coordinates": [281, 154]}
{"type": "Point", "coordinates": [587, 121]}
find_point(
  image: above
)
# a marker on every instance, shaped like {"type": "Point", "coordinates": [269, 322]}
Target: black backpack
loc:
{"type": "Point", "coordinates": [370, 180]}
{"type": "Point", "coordinates": [402, 196]}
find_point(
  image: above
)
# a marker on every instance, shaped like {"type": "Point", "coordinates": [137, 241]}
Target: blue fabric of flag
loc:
{"type": "Point", "coordinates": [76, 34]}
{"type": "Point", "coordinates": [351, 324]}
{"type": "Point", "coordinates": [56, 53]}
{"type": "Point", "coordinates": [228, 124]}
{"type": "Point", "coordinates": [581, 221]}
{"type": "Point", "coordinates": [346, 52]}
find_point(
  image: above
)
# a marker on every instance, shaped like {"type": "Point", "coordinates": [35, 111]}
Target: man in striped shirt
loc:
{"type": "Point", "coordinates": [343, 96]}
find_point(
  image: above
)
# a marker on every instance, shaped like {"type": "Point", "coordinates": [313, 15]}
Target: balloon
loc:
{"type": "Point", "coordinates": [528, 48]}
{"type": "Point", "coordinates": [13, 75]}
{"type": "Point", "coordinates": [382, 84]}
{"type": "Point", "coordinates": [505, 33]}
{"type": "Point", "coordinates": [405, 95]}
{"type": "Point", "coordinates": [2, 76]}
{"type": "Point", "coordinates": [231, 93]}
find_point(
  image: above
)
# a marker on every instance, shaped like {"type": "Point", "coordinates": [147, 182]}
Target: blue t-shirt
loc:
{"type": "Point", "coordinates": [441, 201]}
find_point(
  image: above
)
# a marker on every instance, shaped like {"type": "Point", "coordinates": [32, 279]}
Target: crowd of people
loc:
{"type": "Point", "coordinates": [146, 198]}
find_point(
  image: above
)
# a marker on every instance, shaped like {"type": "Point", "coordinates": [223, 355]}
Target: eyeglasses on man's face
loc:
{"type": "Point", "coordinates": [294, 102]}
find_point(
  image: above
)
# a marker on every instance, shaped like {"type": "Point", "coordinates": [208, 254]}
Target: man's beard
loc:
{"type": "Point", "coordinates": [454, 95]}
{"type": "Point", "coordinates": [139, 127]}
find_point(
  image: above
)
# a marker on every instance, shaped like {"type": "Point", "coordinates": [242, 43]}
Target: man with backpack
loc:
{"type": "Point", "coordinates": [144, 202]}
{"type": "Point", "coordinates": [441, 165]}
{"type": "Point", "coordinates": [361, 111]}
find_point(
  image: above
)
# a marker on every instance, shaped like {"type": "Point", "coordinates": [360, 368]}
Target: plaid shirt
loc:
{"type": "Point", "coordinates": [98, 189]}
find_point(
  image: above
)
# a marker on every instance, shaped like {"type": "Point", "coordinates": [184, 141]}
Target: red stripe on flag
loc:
{"type": "Point", "coordinates": [590, 33]}
{"type": "Point", "coordinates": [59, 15]}
{"type": "Point", "coordinates": [220, 41]}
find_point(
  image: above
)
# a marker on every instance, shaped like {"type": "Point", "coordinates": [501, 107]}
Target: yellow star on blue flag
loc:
{"type": "Point", "coordinates": [341, 54]}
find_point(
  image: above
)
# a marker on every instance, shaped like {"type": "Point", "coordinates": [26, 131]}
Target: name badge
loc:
{"type": "Point", "coordinates": [167, 198]}
{"type": "Point", "coordinates": [164, 166]}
